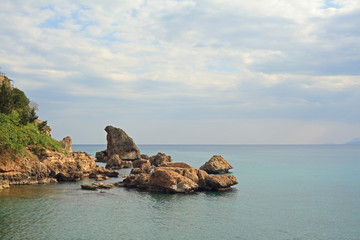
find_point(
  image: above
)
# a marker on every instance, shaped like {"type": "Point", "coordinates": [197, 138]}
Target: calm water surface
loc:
{"type": "Point", "coordinates": [284, 192]}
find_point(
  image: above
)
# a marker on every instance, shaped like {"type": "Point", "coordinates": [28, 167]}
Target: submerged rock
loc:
{"type": "Point", "coordinates": [89, 187]}
{"type": "Point", "coordinates": [216, 164]}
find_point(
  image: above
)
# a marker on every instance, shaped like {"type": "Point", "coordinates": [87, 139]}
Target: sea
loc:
{"type": "Point", "coordinates": [284, 192]}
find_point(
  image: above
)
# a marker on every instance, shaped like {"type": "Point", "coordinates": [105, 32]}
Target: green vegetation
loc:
{"type": "Point", "coordinates": [17, 125]}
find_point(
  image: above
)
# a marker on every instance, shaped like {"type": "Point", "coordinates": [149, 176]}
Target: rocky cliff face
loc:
{"type": "Point", "coordinates": [48, 166]}
{"type": "Point", "coordinates": [118, 143]}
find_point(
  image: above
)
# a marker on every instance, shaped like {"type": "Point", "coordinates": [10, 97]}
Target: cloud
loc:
{"type": "Point", "coordinates": [188, 60]}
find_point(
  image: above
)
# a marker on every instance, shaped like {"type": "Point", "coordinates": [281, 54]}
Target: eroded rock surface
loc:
{"type": "Point", "coordinates": [115, 162]}
{"type": "Point", "coordinates": [216, 164]}
{"type": "Point", "coordinates": [178, 177]}
{"type": "Point", "coordinates": [118, 143]}
{"type": "Point", "coordinates": [159, 159]}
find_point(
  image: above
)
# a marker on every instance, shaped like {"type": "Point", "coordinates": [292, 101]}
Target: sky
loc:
{"type": "Point", "coordinates": [190, 71]}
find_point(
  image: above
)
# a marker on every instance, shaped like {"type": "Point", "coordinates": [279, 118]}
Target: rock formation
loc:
{"type": "Point", "coordinates": [115, 162]}
{"type": "Point", "coordinates": [48, 166]}
{"type": "Point", "coordinates": [178, 177]}
{"type": "Point", "coordinates": [118, 142]}
{"type": "Point", "coordinates": [66, 143]}
{"type": "Point", "coordinates": [216, 164]}
{"type": "Point", "coordinates": [159, 158]}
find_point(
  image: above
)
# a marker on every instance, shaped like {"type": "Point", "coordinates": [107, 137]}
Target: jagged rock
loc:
{"type": "Point", "coordinates": [101, 171]}
{"type": "Point", "coordinates": [142, 164]}
{"type": "Point", "coordinates": [144, 156]}
{"type": "Point", "coordinates": [177, 177]}
{"type": "Point", "coordinates": [89, 187]}
{"type": "Point", "coordinates": [118, 142]}
{"type": "Point", "coordinates": [220, 182]}
{"type": "Point", "coordinates": [166, 179]}
{"type": "Point", "coordinates": [159, 159]}
{"type": "Point", "coordinates": [101, 156]}
{"type": "Point", "coordinates": [48, 166]}
{"type": "Point", "coordinates": [66, 143]}
{"type": "Point", "coordinates": [115, 162]}
{"type": "Point", "coordinates": [135, 181]}
{"type": "Point", "coordinates": [4, 184]}
{"type": "Point", "coordinates": [216, 164]}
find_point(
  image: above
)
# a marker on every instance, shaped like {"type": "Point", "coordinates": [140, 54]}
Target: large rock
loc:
{"type": "Point", "coordinates": [177, 177]}
{"type": "Point", "coordinates": [66, 143]}
{"type": "Point", "coordinates": [115, 162]}
{"type": "Point", "coordinates": [47, 167]}
{"type": "Point", "coordinates": [159, 159]}
{"type": "Point", "coordinates": [142, 164]}
{"type": "Point", "coordinates": [216, 164]}
{"type": "Point", "coordinates": [118, 142]}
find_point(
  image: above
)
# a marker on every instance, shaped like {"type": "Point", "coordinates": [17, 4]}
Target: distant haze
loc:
{"type": "Point", "coordinates": [188, 72]}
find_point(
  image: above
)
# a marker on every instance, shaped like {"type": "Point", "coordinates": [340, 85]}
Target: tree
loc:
{"type": "Point", "coordinates": [6, 100]}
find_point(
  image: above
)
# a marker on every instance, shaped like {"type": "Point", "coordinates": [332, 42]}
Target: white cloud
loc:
{"type": "Point", "coordinates": [266, 59]}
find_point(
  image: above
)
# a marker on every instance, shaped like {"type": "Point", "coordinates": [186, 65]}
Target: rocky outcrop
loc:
{"type": "Point", "coordinates": [101, 171]}
{"type": "Point", "coordinates": [4, 184]}
{"type": "Point", "coordinates": [216, 164]}
{"type": "Point", "coordinates": [66, 143]}
{"type": "Point", "coordinates": [47, 167]}
{"type": "Point", "coordinates": [142, 164]}
{"type": "Point", "coordinates": [177, 177]}
{"type": "Point", "coordinates": [115, 162]}
{"type": "Point", "coordinates": [118, 142]}
{"type": "Point", "coordinates": [159, 159]}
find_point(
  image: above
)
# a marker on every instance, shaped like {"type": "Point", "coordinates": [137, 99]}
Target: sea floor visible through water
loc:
{"type": "Point", "coordinates": [284, 192]}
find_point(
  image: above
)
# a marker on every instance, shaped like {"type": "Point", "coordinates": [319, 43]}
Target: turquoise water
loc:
{"type": "Point", "coordinates": [284, 192]}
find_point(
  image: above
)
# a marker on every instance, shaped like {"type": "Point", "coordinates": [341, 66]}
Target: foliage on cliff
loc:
{"type": "Point", "coordinates": [17, 126]}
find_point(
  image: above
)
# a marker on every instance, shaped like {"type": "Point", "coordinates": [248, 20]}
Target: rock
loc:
{"type": "Point", "coordinates": [177, 177]}
{"type": "Point", "coordinates": [4, 184]}
{"type": "Point", "coordinates": [103, 185]}
{"type": "Point", "coordinates": [66, 143]}
{"type": "Point", "coordinates": [144, 156]}
{"type": "Point", "coordinates": [101, 171]}
{"type": "Point", "coordinates": [159, 159]}
{"type": "Point", "coordinates": [118, 142]}
{"type": "Point", "coordinates": [176, 164]}
{"type": "Point", "coordinates": [89, 187]}
{"type": "Point", "coordinates": [135, 181]}
{"type": "Point", "coordinates": [136, 171]}
{"type": "Point", "coordinates": [143, 164]}
{"type": "Point", "coordinates": [169, 180]}
{"type": "Point", "coordinates": [115, 162]}
{"type": "Point", "coordinates": [66, 167]}
{"type": "Point", "coordinates": [216, 164]}
{"type": "Point", "coordinates": [101, 156]}
{"type": "Point", "coordinates": [220, 182]}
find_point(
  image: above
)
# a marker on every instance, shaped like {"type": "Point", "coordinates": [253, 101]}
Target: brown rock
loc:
{"type": "Point", "coordinates": [159, 159]}
{"type": "Point", "coordinates": [89, 187]}
{"type": "Point", "coordinates": [115, 162]}
{"type": "Point", "coordinates": [66, 143]}
{"type": "Point", "coordinates": [136, 181]}
{"type": "Point", "coordinates": [176, 165]}
{"type": "Point", "coordinates": [166, 179]}
{"type": "Point", "coordinates": [101, 156]}
{"type": "Point", "coordinates": [144, 156]}
{"type": "Point", "coordinates": [143, 164]}
{"type": "Point", "coordinates": [4, 184]}
{"type": "Point", "coordinates": [118, 142]}
{"type": "Point", "coordinates": [101, 171]}
{"type": "Point", "coordinates": [216, 164]}
{"type": "Point", "coordinates": [219, 182]}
